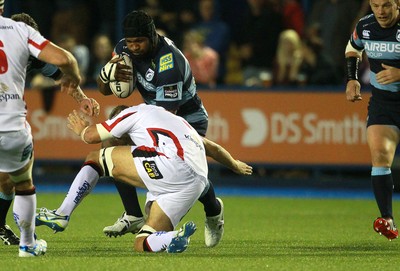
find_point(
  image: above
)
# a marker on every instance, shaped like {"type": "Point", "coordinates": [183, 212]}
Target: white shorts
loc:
{"type": "Point", "coordinates": [172, 183]}
{"type": "Point", "coordinates": [16, 149]}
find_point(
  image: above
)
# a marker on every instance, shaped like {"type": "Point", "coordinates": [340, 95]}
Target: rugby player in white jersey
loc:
{"type": "Point", "coordinates": [168, 159]}
{"type": "Point", "coordinates": [88, 106]}
{"type": "Point", "coordinates": [18, 42]}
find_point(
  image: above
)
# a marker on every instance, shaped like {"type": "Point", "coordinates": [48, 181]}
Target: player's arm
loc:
{"type": "Point", "coordinates": [90, 134]}
{"type": "Point", "coordinates": [65, 61]}
{"type": "Point", "coordinates": [353, 87]}
{"type": "Point", "coordinates": [221, 155]}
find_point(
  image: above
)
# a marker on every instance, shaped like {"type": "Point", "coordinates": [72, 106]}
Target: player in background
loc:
{"type": "Point", "coordinates": [168, 159]}
{"type": "Point", "coordinates": [164, 78]}
{"type": "Point", "coordinates": [378, 34]}
{"type": "Point", "coordinates": [18, 42]}
{"type": "Point", "coordinates": [89, 106]}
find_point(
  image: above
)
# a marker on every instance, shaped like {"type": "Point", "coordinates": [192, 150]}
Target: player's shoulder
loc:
{"type": "Point", "coordinates": [367, 21]}
{"type": "Point", "coordinates": [168, 54]}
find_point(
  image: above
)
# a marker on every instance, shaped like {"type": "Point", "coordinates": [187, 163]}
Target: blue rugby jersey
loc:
{"type": "Point", "coordinates": [382, 45]}
{"type": "Point", "coordinates": [165, 79]}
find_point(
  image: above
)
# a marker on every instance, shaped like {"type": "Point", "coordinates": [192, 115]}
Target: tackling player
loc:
{"type": "Point", "coordinates": [168, 159]}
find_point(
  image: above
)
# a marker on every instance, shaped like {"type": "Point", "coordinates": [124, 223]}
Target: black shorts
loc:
{"type": "Point", "coordinates": [384, 108]}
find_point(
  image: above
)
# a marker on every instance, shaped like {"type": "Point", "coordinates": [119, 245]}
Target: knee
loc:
{"type": "Point", "coordinates": [93, 156]}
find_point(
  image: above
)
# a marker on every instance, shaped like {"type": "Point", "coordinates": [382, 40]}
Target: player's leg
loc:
{"type": "Point", "coordinates": [382, 141]}
{"type": "Point", "coordinates": [84, 182]}
{"type": "Point", "coordinates": [214, 223]}
{"type": "Point", "coordinates": [24, 212]}
{"type": "Point", "coordinates": [7, 193]}
{"type": "Point", "coordinates": [132, 218]}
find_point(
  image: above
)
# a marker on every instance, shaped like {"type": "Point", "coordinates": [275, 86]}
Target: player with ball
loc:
{"type": "Point", "coordinates": [163, 77]}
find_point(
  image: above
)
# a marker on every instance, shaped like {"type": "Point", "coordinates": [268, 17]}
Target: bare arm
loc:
{"type": "Point", "coordinates": [221, 155]}
{"type": "Point", "coordinates": [65, 61]}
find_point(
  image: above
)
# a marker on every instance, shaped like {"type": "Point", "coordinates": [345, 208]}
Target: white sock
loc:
{"type": "Point", "coordinates": [82, 185]}
{"type": "Point", "coordinates": [24, 215]}
{"type": "Point", "coordinates": [159, 241]}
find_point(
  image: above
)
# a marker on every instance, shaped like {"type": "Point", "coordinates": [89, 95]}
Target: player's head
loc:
{"type": "Point", "coordinates": [386, 11]}
{"type": "Point", "coordinates": [23, 17]}
{"type": "Point", "coordinates": [116, 110]}
{"type": "Point", "coordinates": [138, 24]}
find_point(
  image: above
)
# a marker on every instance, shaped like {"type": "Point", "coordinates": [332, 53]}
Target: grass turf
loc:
{"type": "Point", "coordinates": [261, 234]}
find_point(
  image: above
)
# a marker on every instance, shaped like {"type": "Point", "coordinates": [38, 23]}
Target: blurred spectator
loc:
{"type": "Point", "coordinates": [293, 15]}
{"type": "Point", "coordinates": [258, 40]}
{"type": "Point", "coordinates": [80, 51]}
{"type": "Point", "coordinates": [101, 52]}
{"type": "Point", "coordinates": [216, 33]}
{"type": "Point", "coordinates": [318, 67]}
{"type": "Point", "coordinates": [289, 59]}
{"type": "Point", "coordinates": [72, 17]}
{"type": "Point", "coordinates": [203, 60]}
{"type": "Point", "coordinates": [336, 27]}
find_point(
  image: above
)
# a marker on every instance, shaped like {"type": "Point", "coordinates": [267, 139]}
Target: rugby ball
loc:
{"type": "Point", "coordinates": [124, 89]}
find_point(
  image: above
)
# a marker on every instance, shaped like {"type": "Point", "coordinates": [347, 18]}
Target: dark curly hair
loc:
{"type": "Point", "coordinates": [26, 18]}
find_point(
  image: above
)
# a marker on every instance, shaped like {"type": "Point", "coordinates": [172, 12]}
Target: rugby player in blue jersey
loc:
{"type": "Point", "coordinates": [378, 34]}
{"type": "Point", "coordinates": [163, 78]}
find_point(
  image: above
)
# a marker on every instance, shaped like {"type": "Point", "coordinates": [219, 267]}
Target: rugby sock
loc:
{"type": "Point", "coordinates": [159, 241]}
{"type": "Point", "coordinates": [24, 215]}
{"type": "Point", "coordinates": [382, 184]}
{"type": "Point", "coordinates": [84, 182]}
{"type": "Point", "coordinates": [210, 202]}
{"type": "Point", "coordinates": [5, 203]}
{"type": "Point", "coordinates": [129, 198]}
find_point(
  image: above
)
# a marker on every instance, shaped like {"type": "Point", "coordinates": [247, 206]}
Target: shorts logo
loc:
{"type": "Point", "coordinates": [170, 92]}
{"type": "Point", "coordinates": [27, 152]}
{"type": "Point", "coordinates": [166, 62]}
{"type": "Point", "coordinates": [152, 170]}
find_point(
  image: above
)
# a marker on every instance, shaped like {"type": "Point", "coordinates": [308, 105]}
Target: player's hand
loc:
{"type": "Point", "coordinates": [243, 168]}
{"type": "Point", "coordinates": [123, 73]}
{"type": "Point", "coordinates": [90, 107]}
{"type": "Point", "coordinates": [353, 89]}
{"type": "Point", "coordinates": [388, 75]}
{"type": "Point", "coordinates": [77, 123]}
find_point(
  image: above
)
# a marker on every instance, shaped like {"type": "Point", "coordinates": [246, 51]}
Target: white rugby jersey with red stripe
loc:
{"type": "Point", "coordinates": [18, 41]}
{"type": "Point", "coordinates": [153, 126]}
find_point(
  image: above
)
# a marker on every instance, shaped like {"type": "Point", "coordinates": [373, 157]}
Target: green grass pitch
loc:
{"type": "Point", "coordinates": [261, 233]}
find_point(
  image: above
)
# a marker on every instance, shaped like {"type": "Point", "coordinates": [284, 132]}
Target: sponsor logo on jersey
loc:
{"type": "Point", "coordinates": [149, 75]}
{"type": "Point", "coordinates": [152, 170]}
{"type": "Point", "coordinates": [398, 35]}
{"type": "Point", "coordinates": [365, 34]}
{"type": "Point", "coordinates": [4, 96]}
{"type": "Point", "coordinates": [166, 62]}
{"type": "Point", "coordinates": [382, 47]}
{"type": "Point", "coordinates": [170, 92]}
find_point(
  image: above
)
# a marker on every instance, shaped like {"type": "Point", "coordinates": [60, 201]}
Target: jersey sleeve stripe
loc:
{"type": "Point", "coordinates": [38, 46]}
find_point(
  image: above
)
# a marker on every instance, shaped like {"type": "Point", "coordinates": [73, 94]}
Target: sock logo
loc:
{"type": "Point", "coordinates": [82, 190]}
{"type": "Point", "coordinates": [152, 170]}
